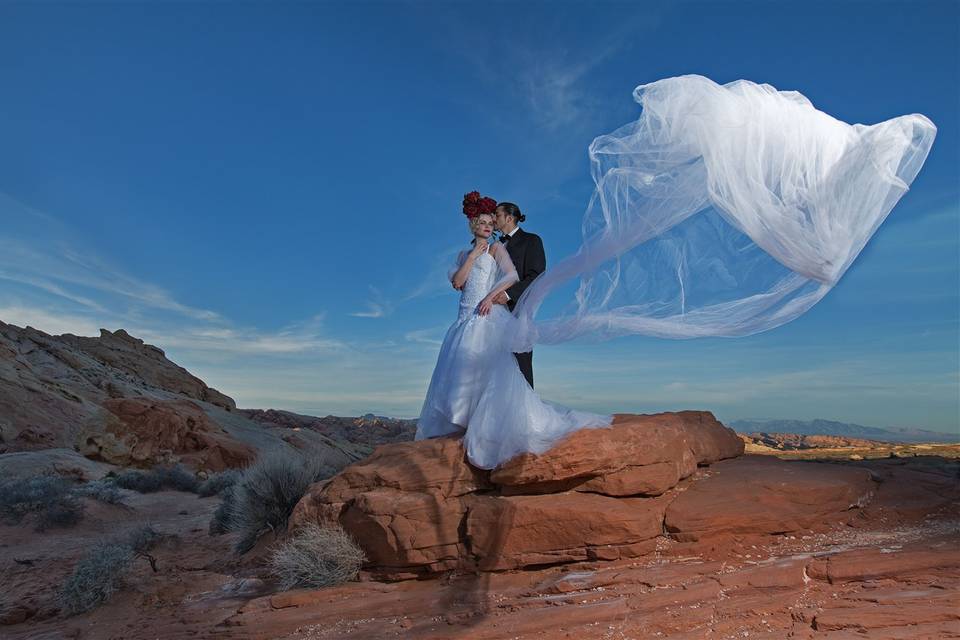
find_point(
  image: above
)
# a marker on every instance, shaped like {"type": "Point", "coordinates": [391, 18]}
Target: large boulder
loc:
{"type": "Point", "coordinates": [419, 507]}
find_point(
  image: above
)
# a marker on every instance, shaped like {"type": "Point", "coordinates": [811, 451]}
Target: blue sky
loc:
{"type": "Point", "coordinates": [271, 192]}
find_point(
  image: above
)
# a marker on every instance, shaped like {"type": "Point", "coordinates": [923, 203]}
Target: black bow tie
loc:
{"type": "Point", "coordinates": [504, 238]}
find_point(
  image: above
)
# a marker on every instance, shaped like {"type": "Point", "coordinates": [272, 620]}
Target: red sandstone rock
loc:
{"type": "Point", "coordinates": [403, 503]}
{"type": "Point", "coordinates": [752, 586]}
{"type": "Point", "coordinates": [761, 495]}
{"type": "Point", "coordinates": [645, 454]}
{"type": "Point", "coordinates": [420, 507]}
{"type": "Point", "coordinates": [520, 531]}
{"type": "Point", "coordinates": [880, 563]}
{"type": "Point", "coordinates": [150, 431]}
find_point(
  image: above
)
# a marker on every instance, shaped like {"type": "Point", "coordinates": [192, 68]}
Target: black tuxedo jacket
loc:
{"type": "Point", "coordinates": [526, 252]}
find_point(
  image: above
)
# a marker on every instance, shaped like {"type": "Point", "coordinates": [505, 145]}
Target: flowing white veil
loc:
{"type": "Point", "coordinates": [723, 210]}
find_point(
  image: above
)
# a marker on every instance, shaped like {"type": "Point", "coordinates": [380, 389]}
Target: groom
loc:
{"type": "Point", "coordinates": [526, 252]}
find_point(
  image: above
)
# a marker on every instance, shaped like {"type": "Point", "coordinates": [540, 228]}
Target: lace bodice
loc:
{"type": "Point", "coordinates": [478, 285]}
{"type": "Point", "coordinates": [486, 274]}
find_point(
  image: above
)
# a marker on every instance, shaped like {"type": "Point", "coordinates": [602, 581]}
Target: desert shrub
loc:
{"type": "Point", "coordinates": [54, 499]}
{"type": "Point", "coordinates": [63, 511]}
{"type": "Point", "coordinates": [100, 573]}
{"type": "Point", "coordinates": [316, 557]}
{"type": "Point", "coordinates": [142, 538]}
{"type": "Point", "coordinates": [218, 482]}
{"type": "Point", "coordinates": [178, 477]}
{"type": "Point", "coordinates": [139, 481]}
{"type": "Point", "coordinates": [268, 491]}
{"type": "Point", "coordinates": [223, 519]}
{"type": "Point", "coordinates": [26, 495]}
{"type": "Point", "coordinates": [95, 578]}
{"type": "Point", "coordinates": [101, 490]}
{"type": "Point", "coordinates": [158, 478]}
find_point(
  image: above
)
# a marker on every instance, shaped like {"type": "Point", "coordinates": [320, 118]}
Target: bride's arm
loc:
{"type": "Point", "coordinates": [509, 278]}
{"type": "Point", "coordinates": [465, 260]}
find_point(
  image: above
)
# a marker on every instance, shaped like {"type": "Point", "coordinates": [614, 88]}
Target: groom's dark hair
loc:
{"type": "Point", "coordinates": [512, 210]}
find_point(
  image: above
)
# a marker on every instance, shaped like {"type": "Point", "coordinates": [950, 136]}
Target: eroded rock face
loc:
{"type": "Point", "coordinates": [637, 455]}
{"type": "Point", "coordinates": [117, 399]}
{"type": "Point", "coordinates": [145, 362]}
{"type": "Point", "coordinates": [148, 431]}
{"type": "Point", "coordinates": [53, 388]}
{"type": "Point", "coordinates": [419, 507]}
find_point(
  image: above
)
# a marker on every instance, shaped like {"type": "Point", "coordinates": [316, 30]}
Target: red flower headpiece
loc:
{"type": "Point", "coordinates": [474, 204]}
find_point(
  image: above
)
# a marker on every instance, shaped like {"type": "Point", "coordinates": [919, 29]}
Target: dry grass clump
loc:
{"type": "Point", "coordinates": [316, 557]}
{"type": "Point", "coordinates": [95, 578]}
{"type": "Point", "coordinates": [264, 495]}
{"type": "Point", "coordinates": [99, 574]}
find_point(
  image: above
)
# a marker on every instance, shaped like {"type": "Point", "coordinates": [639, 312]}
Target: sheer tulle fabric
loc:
{"type": "Point", "coordinates": [723, 211]}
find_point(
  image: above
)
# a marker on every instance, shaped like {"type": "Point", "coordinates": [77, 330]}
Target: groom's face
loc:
{"type": "Point", "coordinates": [500, 219]}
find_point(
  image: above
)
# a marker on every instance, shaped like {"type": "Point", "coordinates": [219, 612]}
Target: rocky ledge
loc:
{"type": "Point", "coordinates": [419, 508]}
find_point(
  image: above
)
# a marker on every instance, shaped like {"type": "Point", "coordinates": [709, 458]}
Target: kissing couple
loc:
{"type": "Point", "coordinates": [479, 387]}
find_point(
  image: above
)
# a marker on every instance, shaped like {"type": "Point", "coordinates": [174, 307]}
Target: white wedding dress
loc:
{"type": "Point", "coordinates": [478, 386]}
{"type": "Point", "coordinates": [722, 210]}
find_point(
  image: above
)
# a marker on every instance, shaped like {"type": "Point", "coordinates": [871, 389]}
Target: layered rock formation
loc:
{"type": "Point", "coordinates": [419, 508]}
{"type": "Point", "coordinates": [794, 441]}
{"type": "Point", "coordinates": [366, 430]}
{"type": "Point", "coordinates": [118, 400]}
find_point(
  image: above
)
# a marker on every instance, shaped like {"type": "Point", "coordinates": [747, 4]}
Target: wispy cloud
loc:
{"type": "Point", "coordinates": [58, 286]}
{"type": "Point", "coordinates": [377, 307]}
{"type": "Point", "coordinates": [549, 76]}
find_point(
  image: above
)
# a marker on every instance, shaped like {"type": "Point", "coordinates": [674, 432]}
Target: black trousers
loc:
{"type": "Point", "coordinates": [525, 360]}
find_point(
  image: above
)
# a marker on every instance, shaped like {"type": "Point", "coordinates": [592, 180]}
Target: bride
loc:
{"type": "Point", "coordinates": [723, 210]}
{"type": "Point", "coordinates": [477, 384]}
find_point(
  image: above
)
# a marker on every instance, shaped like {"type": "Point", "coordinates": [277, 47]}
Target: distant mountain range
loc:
{"type": "Point", "coordinates": [832, 428]}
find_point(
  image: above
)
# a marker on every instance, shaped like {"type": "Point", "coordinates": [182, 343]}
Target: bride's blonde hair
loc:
{"type": "Point", "coordinates": [475, 220]}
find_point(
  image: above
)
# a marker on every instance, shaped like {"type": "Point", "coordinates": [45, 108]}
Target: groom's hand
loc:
{"type": "Point", "coordinates": [501, 298]}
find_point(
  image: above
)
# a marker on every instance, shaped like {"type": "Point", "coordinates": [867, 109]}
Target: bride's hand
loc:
{"type": "Point", "coordinates": [485, 306]}
{"type": "Point", "coordinates": [479, 248]}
